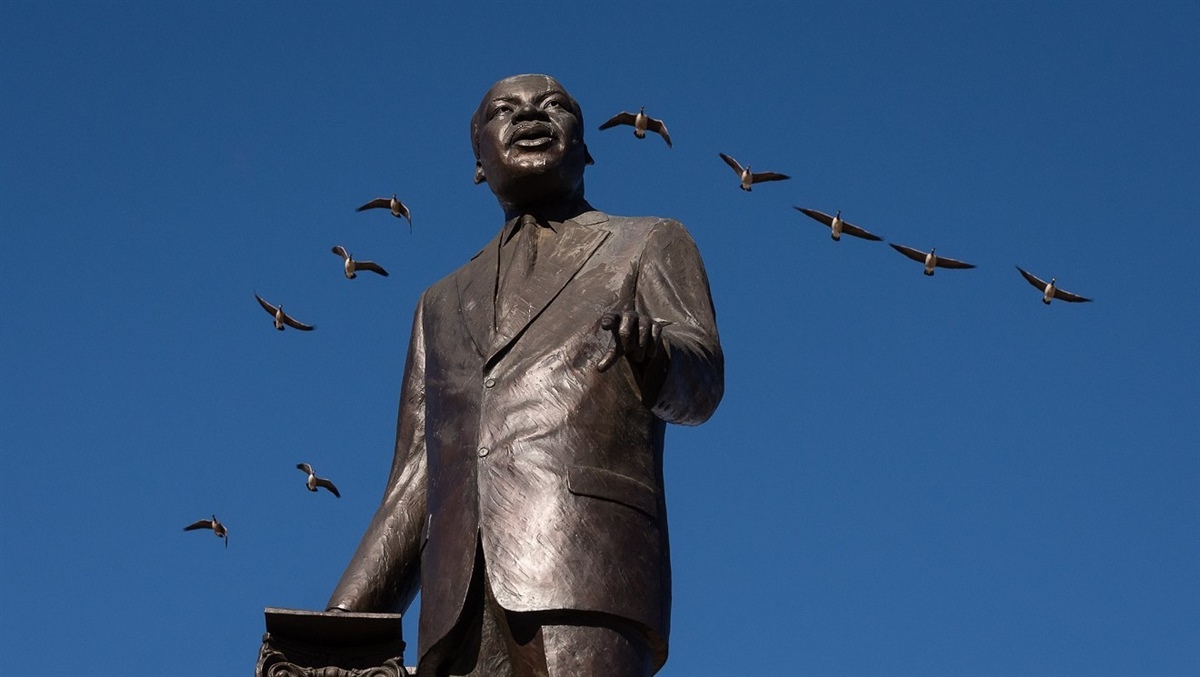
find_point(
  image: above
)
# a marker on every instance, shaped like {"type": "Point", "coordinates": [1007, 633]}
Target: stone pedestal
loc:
{"type": "Point", "coordinates": [321, 644]}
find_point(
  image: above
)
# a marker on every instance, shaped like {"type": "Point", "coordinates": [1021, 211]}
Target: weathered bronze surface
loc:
{"type": "Point", "coordinates": [539, 380]}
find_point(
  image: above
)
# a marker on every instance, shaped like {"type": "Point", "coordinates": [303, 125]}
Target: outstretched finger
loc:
{"type": "Point", "coordinates": [607, 360]}
{"type": "Point", "coordinates": [625, 335]}
{"type": "Point", "coordinates": [645, 334]}
{"type": "Point", "coordinates": [610, 322]}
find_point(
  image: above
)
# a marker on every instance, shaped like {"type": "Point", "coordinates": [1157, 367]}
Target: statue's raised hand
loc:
{"type": "Point", "coordinates": [635, 336]}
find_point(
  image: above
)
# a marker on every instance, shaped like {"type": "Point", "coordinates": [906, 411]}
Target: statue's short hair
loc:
{"type": "Point", "coordinates": [477, 116]}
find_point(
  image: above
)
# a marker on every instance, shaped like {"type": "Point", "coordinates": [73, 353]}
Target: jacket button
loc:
{"type": "Point", "coordinates": [489, 382]}
{"type": "Point", "coordinates": [484, 451]}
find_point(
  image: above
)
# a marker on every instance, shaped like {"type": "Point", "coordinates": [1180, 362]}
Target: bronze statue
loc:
{"type": "Point", "coordinates": [525, 498]}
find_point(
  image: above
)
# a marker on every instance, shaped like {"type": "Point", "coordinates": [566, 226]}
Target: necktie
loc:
{"type": "Point", "coordinates": [526, 253]}
{"type": "Point", "coordinates": [520, 266]}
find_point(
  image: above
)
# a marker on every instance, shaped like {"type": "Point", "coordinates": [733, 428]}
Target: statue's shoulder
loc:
{"type": "Point", "coordinates": [479, 269]}
{"type": "Point", "coordinates": [646, 227]}
{"type": "Point", "coordinates": [630, 223]}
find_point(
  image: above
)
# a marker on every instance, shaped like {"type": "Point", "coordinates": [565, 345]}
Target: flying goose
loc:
{"type": "Point", "coordinates": [931, 260]}
{"type": "Point", "coordinates": [216, 527]}
{"type": "Point", "coordinates": [640, 122]}
{"type": "Point", "coordinates": [282, 318]}
{"type": "Point", "coordinates": [350, 265]}
{"type": "Point", "coordinates": [397, 207]}
{"type": "Point", "coordinates": [747, 178]}
{"type": "Point", "coordinates": [314, 481]}
{"type": "Point", "coordinates": [837, 226]}
{"type": "Point", "coordinates": [1050, 291]}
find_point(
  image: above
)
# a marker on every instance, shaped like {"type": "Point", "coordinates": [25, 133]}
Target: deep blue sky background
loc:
{"type": "Point", "coordinates": [907, 476]}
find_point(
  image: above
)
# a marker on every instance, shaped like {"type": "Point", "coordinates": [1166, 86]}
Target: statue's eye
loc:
{"type": "Point", "coordinates": [554, 103]}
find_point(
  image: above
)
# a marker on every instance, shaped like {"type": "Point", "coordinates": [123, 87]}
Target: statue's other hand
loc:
{"type": "Point", "coordinates": [637, 337]}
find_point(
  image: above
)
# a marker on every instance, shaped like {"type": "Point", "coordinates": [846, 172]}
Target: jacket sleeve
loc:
{"type": "Point", "coordinates": [385, 571]}
{"type": "Point", "coordinates": [687, 381]}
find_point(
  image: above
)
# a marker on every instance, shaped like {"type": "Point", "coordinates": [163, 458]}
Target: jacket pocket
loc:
{"type": "Point", "coordinates": [611, 486]}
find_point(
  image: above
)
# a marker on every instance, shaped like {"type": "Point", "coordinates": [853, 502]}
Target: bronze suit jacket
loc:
{"type": "Point", "coordinates": [511, 436]}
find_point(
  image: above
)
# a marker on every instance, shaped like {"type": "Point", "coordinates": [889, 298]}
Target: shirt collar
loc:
{"type": "Point", "coordinates": [512, 227]}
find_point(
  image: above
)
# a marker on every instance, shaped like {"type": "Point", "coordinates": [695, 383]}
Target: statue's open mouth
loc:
{"type": "Point", "coordinates": [534, 135]}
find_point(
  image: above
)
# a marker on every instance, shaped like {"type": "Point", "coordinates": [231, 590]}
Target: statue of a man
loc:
{"type": "Point", "coordinates": [526, 494]}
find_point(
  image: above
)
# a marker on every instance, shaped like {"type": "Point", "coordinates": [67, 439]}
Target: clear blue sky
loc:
{"type": "Point", "coordinates": [908, 475]}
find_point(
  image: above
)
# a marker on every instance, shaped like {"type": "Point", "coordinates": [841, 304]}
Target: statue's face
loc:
{"type": "Point", "coordinates": [529, 139]}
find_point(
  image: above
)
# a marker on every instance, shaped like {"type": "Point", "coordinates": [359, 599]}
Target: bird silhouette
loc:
{"type": "Point", "coordinates": [214, 525]}
{"type": "Point", "coordinates": [314, 481]}
{"type": "Point", "coordinates": [282, 318]}
{"type": "Point", "coordinates": [640, 123]}
{"type": "Point", "coordinates": [350, 265]}
{"type": "Point", "coordinates": [396, 206]}
{"type": "Point", "coordinates": [930, 259]}
{"type": "Point", "coordinates": [747, 177]}
{"type": "Point", "coordinates": [1051, 291]}
{"type": "Point", "coordinates": [837, 226]}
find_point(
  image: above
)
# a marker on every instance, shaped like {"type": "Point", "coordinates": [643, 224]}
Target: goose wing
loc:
{"type": "Point", "coordinates": [1032, 279]}
{"type": "Point", "coordinates": [201, 524]}
{"type": "Point", "coordinates": [321, 482]}
{"type": "Point", "coordinates": [340, 251]}
{"type": "Point", "coordinates": [953, 263]}
{"type": "Point", "coordinates": [266, 306]}
{"type": "Point", "coordinates": [371, 266]}
{"type": "Point", "coordinates": [659, 128]}
{"type": "Point", "coordinates": [623, 118]}
{"type": "Point", "coordinates": [914, 254]}
{"type": "Point", "coordinates": [403, 209]}
{"type": "Point", "coordinates": [814, 214]}
{"type": "Point", "coordinates": [759, 177]}
{"type": "Point", "coordinates": [1068, 296]}
{"type": "Point", "coordinates": [732, 163]}
{"type": "Point", "coordinates": [305, 467]}
{"type": "Point", "coordinates": [377, 203]}
{"type": "Point", "coordinates": [297, 324]}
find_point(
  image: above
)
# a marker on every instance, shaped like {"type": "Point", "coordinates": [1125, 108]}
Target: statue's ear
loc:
{"type": "Point", "coordinates": [479, 177]}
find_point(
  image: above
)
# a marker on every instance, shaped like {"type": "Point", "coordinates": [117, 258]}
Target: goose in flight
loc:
{"type": "Point", "coordinates": [749, 178]}
{"type": "Point", "coordinates": [214, 525]}
{"type": "Point", "coordinates": [314, 481]}
{"type": "Point", "coordinates": [837, 226]}
{"type": "Point", "coordinates": [282, 318]}
{"type": "Point", "coordinates": [396, 206]}
{"type": "Point", "coordinates": [930, 259]}
{"type": "Point", "coordinates": [1051, 291]}
{"type": "Point", "coordinates": [350, 265]}
{"type": "Point", "coordinates": [640, 123]}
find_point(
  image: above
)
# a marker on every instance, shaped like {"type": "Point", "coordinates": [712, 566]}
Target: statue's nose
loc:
{"type": "Point", "coordinates": [528, 111]}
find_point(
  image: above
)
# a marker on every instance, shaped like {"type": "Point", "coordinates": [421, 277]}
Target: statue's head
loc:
{"type": "Point", "coordinates": [528, 139]}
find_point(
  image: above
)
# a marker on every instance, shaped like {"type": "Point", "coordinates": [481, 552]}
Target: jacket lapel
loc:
{"type": "Point", "coordinates": [580, 238]}
{"type": "Point", "coordinates": [477, 294]}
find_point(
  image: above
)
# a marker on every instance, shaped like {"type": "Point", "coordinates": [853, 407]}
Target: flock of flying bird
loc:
{"type": "Point", "coordinates": [350, 265]}
{"type": "Point", "coordinates": [214, 525]}
{"type": "Point", "coordinates": [350, 268]}
{"type": "Point", "coordinates": [641, 124]}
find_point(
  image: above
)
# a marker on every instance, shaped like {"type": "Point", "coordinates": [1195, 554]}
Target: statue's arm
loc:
{"type": "Point", "coordinates": [687, 376]}
{"type": "Point", "coordinates": [385, 572]}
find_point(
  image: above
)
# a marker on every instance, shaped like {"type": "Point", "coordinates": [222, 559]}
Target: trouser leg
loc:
{"type": "Point", "coordinates": [603, 649]}
{"type": "Point", "coordinates": [489, 641]}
